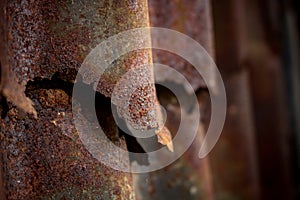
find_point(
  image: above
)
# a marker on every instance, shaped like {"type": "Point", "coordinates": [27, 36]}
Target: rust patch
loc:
{"type": "Point", "coordinates": [48, 37]}
{"type": "Point", "coordinates": [45, 159]}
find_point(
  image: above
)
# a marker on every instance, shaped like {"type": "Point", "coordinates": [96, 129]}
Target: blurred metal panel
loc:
{"type": "Point", "coordinates": [234, 159]}
{"type": "Point", "coordinates": [192, 18]}
{"type": "Point", "coordinates": [188, 177]}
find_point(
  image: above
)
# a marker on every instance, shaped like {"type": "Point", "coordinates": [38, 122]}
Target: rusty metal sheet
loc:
{"type": "Point", "coordinates": [9, 86]}
{"type": "Point", "coordinates": [234, 162]}
{"type": "Point", "coordinates": [44, 158]}
{"type": "Point", "coordinates": [192, 18]}
{"type": "Point", "coordinates": [188, 177]}
{"type": "Point", "coordinates": [230, 38]}
{"type": "Point", "coordinates": [47, 38]}
{"type": "Point", "coordinates": [269, 100]}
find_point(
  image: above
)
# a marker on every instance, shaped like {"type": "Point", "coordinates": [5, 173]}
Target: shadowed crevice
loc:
{"type": "Point", "coordinates": [54, 83]}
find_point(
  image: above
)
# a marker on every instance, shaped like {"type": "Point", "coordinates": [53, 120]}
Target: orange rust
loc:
{"type": "Point", "coordinates": [47, 38]}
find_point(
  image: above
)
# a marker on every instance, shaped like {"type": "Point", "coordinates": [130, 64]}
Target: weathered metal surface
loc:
{"type": "Point", "coordinates": [9, 86]}
{"type": "Point", "coordinates": [234, 159]}
{"type": "Point", "coordinates": [269, 99]}
{"type": "Point", "coordinates": [136, 101]}
{"type": "Point", "coordinates": [50, 37]}
{"type": "Point", "coordinates": [192, 18]}
{"type": "Point", "coordinates": [188, 177]}
{"type": "Point", "coordinates": [234, 164]}
{"type": "Point", "coordinates": [44, 158]}
{"type": "Point", "coordinates": [230, 39]}
{"type": "Point", "coordinates": [46, 37]}
{"type": "Point", "coordinates": [291, 63]}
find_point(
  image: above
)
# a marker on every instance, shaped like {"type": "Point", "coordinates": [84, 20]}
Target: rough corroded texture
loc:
{"type": "Point", "coordinates": [47, 37]}
{"type": "Point", "coordinates": [45, 159]}
{"type": "Point", "coordinates": [188, 177]}
{"type": "Point", "coordinates": [192, 18]}
{"type": "Point", "coordinates": [136, 98]}
{"type": "Point", "coordinates": [9, 86]}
